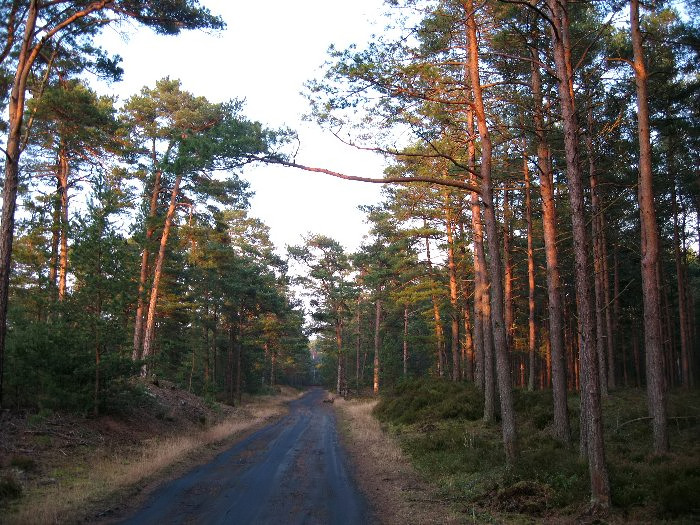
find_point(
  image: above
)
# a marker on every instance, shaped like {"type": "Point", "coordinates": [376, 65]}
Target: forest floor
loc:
{"type": "Point", "coordinates": [429, 454]}
{"type": "Point", "coordinates": [58, 468]}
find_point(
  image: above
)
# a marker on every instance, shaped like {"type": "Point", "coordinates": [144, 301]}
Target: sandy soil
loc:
{"type": "Point", "coordinates": [396, 492]}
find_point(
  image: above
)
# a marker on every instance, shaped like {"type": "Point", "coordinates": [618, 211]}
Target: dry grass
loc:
{"type": "Point", "coordinates": [107, 474]}
{"type": "Point", "coordinates": [396, 493]}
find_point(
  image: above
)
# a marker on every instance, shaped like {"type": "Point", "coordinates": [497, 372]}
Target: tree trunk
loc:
{"type": "Point", "coordinates": [150, 229]}
{"type": "Point", "coordinates": [530, 277]}
{"type": "Point", "coordinates": [680, 284]}
{"type": "Point", "coordinates": [377, 326]}
{"type": "Point", "coordinates": [150, 320]}
{"type": "Point", "coordinates": [357, 354]}
{"type": "Point", "coordinates": [590, 393]}
{"type": "Point", "coordinates": [12, 154]}
{"type": "Point", "coordinates": [452, 272]}
{"type": "Point", "coordinates": [55, 239]}
{"type": "Point", "coordinates": [439, 334]}
{"type": "Point", "coordinates": [497, 321]}
{"type": "Point", "coordinates": [239, 361]}
{"type": "Point", "coordinates": [507, 274]}
{"type": "Point", "coordinates": [656, 395]}
{"type": "Point", "coordinates": [597, 259]}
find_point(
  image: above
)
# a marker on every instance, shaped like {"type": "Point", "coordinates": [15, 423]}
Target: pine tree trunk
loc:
{"type": "Point", "coordinates": [239, 361]}
{"type": "Point", "coordinates": [62, 177]}
{"type": "Point", "coordinates": [358, 347]}
{"type": "Point", "coordinates": [656, 395]}
{"type": "Point", "coordinates": [562, 429]}
{"type": "Point", "coordinates": [507, 274]}
{"type": "Point", "coordinates": [590, 393]}
{"type": "Point", "coordinates": [12, 154]}
{"type": "Point", "coordinates": [439, 334]}
{"type": "Point", "coordinates": [452, 272]}
{"type": "Point", "coordinates": [157, 272]}
{"type": "Point", "coordinates": [680, 284]}
{"type": "Point", "coordinates": [150, 229]}
{"type": "Point", "coordinates": [377, 326]}
{"type": "Point", "coordinates": [597, 260]}
{"type": "Point", "coordinates": [530, 277]}
{"type": "Point", "coordinates": [55, 239]}
{"type": "Point", "coordinates": [505, 387]}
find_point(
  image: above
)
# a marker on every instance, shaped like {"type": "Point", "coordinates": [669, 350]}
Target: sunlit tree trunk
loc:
{"type": "Point", "coordinates": [497, 320]}
{"type": "Point", "coordinates": [591, 418]}
{"type": "Point", "coordinates": [143, 276]}
{"type": "Point", "coordinates": [62, 177]}
{"type": "Point", "coordinates": [339, 349]}
{"type": "Point", "coordinates": [452, 272]}
{"type": "Point", "coordinates": [405, 341]}
{"type": "Point", "coordinates": [656, 396]}
{"type": "Point", "coordinates": [680, 285]}
{"type": "Point", "coordinates": [157, 272]}
{"type": "Point", "coordinates": [530, 277]}
{"type": "Point", "coordinates": [507, 274]}
{"type": "Point", "coordinates": [439, 334]}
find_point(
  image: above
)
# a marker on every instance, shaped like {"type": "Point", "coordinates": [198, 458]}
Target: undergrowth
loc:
{"type": "Point", "coordinates": [439, 424]}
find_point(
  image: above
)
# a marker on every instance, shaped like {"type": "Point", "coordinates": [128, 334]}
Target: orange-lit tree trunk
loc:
{"type": "Point", "coordinates": [656, 395]}
{"type": "Point", "coordinates": [562, 429]}
{"type": "Point", "coordinates": [505, 387]}
{"type": "Point", "coordinates": [143, 276]}
{"type": "Point", "coordinates": [157, 272]}
{"type": "Point", "coordinates": [439, 334]}
{"type": "Point", "coordinates": [530, 277]}
{"type": "Point", "coordinates": [452, 272]}
{"type": "Point", "coordinates": [405, 341]}
{"type": "Point", "coordinates": [507, 273]}
{"type": "Point", "coordinates": [591, 416]}
{"type": "Point", "coordinates": [62, 178]}
{"type": "Point", "coordinates": [339, 350]}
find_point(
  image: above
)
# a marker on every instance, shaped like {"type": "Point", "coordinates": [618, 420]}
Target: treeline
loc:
{"type": "Point", "coordinates": [131, 251]}
{"type": "Point", "coordinates": [557, 250]}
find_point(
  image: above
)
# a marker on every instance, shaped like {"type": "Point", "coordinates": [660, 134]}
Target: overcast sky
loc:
{"type": "Point", "coordinates": [266, 53]}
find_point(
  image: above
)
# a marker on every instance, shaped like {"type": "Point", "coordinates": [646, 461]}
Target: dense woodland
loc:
{"type": "Point", "coordinates": [539, 228]}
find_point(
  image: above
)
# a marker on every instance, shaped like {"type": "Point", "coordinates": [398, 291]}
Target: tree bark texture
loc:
{"type": "Point", "coordinates": [592, 428]}
{"type": "Point", "coordinates": [505, 387]}
{"type": "Point", "coordinates": [656, 395]}
{"type": "Point", "coordinates": [377, 327]}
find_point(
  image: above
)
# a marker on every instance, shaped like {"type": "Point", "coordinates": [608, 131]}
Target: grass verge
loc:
{"type": "Point", "coordinates": [439, 426]}
{"type": "Point", "coordinates": [103, 476]}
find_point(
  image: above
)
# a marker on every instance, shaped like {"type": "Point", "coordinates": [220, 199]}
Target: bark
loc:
{"type": "Point", "coordinates": [497, 320]}
{"type": "Point", "coordinates": [597, 259]}
{"type": "Point", "coordinates": [609, 331]}
{"type": "Point", "coordinates": [439, 334]}
{"type": "Point", "coordinates": [680, 284]}
{"type": "Point", "coordinates": [530, 278]}
{"type": "Point", "coordinates": [143, 276]}
{"type": "Point", "coordinates": [562, 429]}
{"type": "Point", "coordinates": [62, 176]}
{"type": "Point", "coordinates": [157, 272]}
{"type": "Point", "coordinates": [656, 395]}
{"type": "Point", "coordinates": [482, 344]}
{"type": "Point", "coordinates": [452, 272]}
{"type": "Point", "coordinates": [508, 274]}
{"type": "Point", "coordinates": [229, 360]}
{"type": "Point", "coordinates": [590, 394]}
{"type": "Point", "coordinates": [357, 349]}
{"type": "Point", "coordinates": [377, 326]}
{"type": "Point", "coordinates": [55, 239]}
{"type": "Point", "coordinates": [12, 154]}
{"type": "Point", "coordinates": [239, 361]}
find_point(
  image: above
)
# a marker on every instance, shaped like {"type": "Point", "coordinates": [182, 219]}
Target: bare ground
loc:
{"type": "Point", "coordinates": [76, 469]}
{"type": "Point", "coordinates": [395, 491]}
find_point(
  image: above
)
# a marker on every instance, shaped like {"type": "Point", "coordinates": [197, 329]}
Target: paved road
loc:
{"type": "Point", "coordinates": [290, 472]}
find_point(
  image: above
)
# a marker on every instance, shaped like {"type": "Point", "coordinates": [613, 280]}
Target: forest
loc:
{"type": "Point", "coordinates": [533, 260]}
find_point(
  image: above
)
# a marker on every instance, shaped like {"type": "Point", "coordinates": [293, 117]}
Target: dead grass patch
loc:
{"type": "Point", "coordinates": [83, 485]}
{"type": "Point", "coordinates": [395, 491]}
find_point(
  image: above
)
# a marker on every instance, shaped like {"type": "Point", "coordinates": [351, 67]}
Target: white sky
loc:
{"type": "Point", "coordinates": [266, 53]}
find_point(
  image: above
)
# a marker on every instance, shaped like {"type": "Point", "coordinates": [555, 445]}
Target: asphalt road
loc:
{"type": "Point", "coordinates": [291, 472]}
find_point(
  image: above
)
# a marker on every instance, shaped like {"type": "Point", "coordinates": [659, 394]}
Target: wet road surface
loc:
{"type": "Point", "coordinates": [290, 472]}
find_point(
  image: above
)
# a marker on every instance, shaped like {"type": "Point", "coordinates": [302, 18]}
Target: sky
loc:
{"type": "Point", "coordinates": [265, 54]}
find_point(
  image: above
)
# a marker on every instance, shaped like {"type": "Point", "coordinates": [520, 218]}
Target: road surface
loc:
{"type": "Point", "coordinates": [289, 472]}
